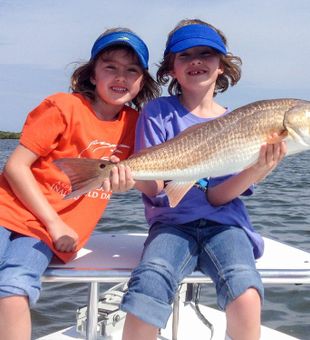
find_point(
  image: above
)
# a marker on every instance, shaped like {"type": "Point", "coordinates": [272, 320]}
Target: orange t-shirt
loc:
{"type": "Point", "coordinates": [65, 125]}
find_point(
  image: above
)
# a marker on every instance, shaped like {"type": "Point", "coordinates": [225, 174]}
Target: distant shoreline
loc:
{"type": "Point", "coordinates": [9, 135]}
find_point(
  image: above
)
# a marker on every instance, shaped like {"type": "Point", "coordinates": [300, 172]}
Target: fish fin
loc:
{"type": "Point", "coordinates": [177, 190]}
{"type": "Point", "coordinates": [84, 174]}
{"type": "Point", "coordinates": [277, 138]}
{"type": "Point", "coordinates": [85, 188]}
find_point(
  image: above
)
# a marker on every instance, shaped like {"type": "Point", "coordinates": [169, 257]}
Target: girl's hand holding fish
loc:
{"type": "Point", "coordinates": [120, 179]}
{"type": "Point", "coordinates": [270, 155]}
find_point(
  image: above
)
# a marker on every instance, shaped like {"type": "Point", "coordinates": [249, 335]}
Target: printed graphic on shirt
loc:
{"type": "Point", "coordinates": [102, 150]}
{"type": "Point", "coordinates": [95, 149]}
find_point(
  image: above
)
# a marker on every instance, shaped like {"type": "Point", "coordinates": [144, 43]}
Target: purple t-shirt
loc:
{"type": "Point", "coordinates": [161, 120]}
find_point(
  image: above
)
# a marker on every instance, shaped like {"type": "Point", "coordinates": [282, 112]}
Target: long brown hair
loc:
{"type": "Point", "coordinates": [231, 64]}
{"type": "Point", "coordinates": [82, 75]}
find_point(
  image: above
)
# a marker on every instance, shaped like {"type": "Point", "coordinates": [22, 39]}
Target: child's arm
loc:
{"type": "Point", "coordinates": [18, 173]}
{"type": "Point", "coordinates": [269, 157]}
{"type": "Point", "coordinates": [150, 188]}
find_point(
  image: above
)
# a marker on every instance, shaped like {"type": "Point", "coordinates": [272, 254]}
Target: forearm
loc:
{"type": "Point", "coordinates": [233, 187]}
{"type": "Point", "coordinates": [149, 188]}
{"type": "Point", "coordinates": [27, 190]}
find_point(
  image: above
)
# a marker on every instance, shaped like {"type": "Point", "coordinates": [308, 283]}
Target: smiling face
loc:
{"type": "Point", "coordinates": [118, 78]}
{"type": "Point", "coordinates": [197, 67]}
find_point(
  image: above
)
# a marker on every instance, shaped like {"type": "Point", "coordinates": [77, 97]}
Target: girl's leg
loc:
{"type": "Point", "coordinates": [22, 266]}
{"type": "Point", "coordinates": [136, 329]}
{"type": "Point", "coordinates": [244, 316]}
{"type": "Point", "coordinates": [15, 322]}
{"type": "Point", "coordinates": [169, 255]}
{"type": "Point", "coordinates": [228, 259]}
{"type": "Point", "coordinates": [13, 307]}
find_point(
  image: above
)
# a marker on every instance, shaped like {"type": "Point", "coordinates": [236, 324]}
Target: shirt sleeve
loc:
{"type": "Point", "coordinates": [43, 128]}
{"type": "Point", "coordinates": [150, 129]}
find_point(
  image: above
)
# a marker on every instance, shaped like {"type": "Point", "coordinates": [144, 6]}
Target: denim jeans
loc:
{"type": "Point", "coordinates": [23, 260]}
{"type": "Point", "coordinates": [172, 252]}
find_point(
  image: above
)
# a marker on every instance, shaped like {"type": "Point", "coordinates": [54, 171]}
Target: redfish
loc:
{"type": "Point", "coordinates": [218, 147]}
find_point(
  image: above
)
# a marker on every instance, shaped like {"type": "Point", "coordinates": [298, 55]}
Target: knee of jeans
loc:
{"type": "Point", "coordinates": [32, 291]}
{"type": "Point", "coordinates": [155, 278]}
{"type": "Point", "coordinates": [235, 281]}
{"type": "Point", "coordinates": [17, 281]}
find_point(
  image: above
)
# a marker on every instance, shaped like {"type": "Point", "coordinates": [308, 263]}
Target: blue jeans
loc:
{"type": "Point", "coordinates": [23, 260]}
{"type": "Point", "coordinates": [172, 252]}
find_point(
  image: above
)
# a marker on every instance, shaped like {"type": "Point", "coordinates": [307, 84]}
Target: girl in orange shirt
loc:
{"type": "Point", "coordinates": [91, 122]}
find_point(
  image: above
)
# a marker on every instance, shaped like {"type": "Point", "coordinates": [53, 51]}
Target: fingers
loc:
{"type": "Point", "coordinates": [106, 185]}
{"type": "Point", "coordinates": [130, 182]}
{"type": "Point", "coordinates": [117, 178]}
{"type": "Point", "coordinates": [114, 159]}
{"type": "Point", "coordinates": [275, 153]}
{"type": "Point", "coordinates": [262, 154]}
{"type": "Point", "coordinates": [112, 183]}
{"type": "Point", "coordinates": [120, 179]}
{"type": "Point", "coordinates": [283, 150]}
{"type": "Point", "coordinates": [271, 154]}
{"type": "Point", "coordinates": [268, 159]}
{"type": "Point", "coordinates": [126, 181]}
{"type": "Point", "coordinates": [66, 244]}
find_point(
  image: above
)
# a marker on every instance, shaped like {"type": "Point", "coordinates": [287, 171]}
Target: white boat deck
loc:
{"type": "Point", "coordinates": [109, 258]}
{"type": "Point", "coordinates": [190, 328]}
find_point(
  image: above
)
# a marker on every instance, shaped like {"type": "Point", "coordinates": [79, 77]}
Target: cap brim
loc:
{"type": "Point", "coordinates": [194, 42]}
{"type": "Point", "coordinates": [122, 38]}
{"type": "Point", "coordinates": [127, 43]}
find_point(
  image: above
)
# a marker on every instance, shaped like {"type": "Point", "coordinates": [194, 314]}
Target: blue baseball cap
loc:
{"type": "Point", "coordinates": [122, 38]}
{"type": "Point", "coordinates": [195, 35]}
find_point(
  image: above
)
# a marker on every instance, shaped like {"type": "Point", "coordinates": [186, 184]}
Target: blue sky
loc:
{"type": "Point", "coordinates": [39, 40]}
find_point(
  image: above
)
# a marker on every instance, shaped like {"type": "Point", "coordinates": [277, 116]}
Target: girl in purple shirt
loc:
{"type": "Point", "coordinates": [209, 230]}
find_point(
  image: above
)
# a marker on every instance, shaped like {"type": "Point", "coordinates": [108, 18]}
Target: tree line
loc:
{"type": "Point", "coordinates": [9, 135]}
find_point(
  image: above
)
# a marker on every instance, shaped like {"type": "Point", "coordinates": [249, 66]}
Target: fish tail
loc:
{"type": "Point", "coordinates": [84, 174]}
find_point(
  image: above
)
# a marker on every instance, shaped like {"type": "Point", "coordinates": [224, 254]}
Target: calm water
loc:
{"type": "Point", "coordinates": [279, 209]}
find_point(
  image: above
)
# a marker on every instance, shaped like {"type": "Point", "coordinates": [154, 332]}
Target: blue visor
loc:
{"type": "Point", "coordinates": [195, 35]}
{"type": "Point", "coordinates": [122, 38]}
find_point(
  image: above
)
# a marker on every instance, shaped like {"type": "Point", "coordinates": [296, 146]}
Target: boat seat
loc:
{"type": "Point", "coordinates": [110, 257]}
